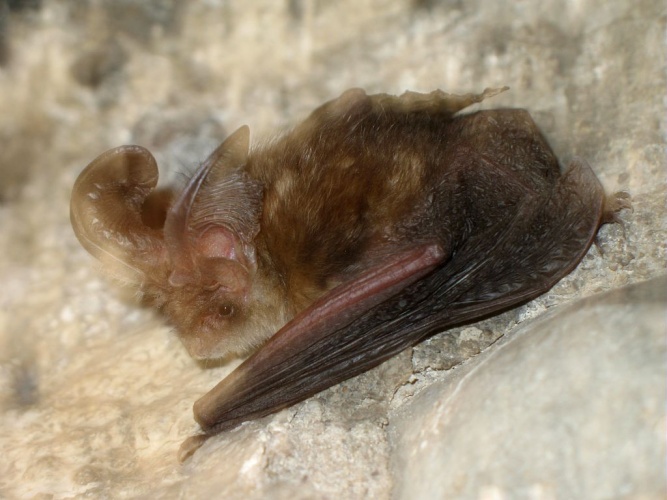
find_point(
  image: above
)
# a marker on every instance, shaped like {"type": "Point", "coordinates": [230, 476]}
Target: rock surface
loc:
{"type": "Point", "coordinates": [571, 405]}
{"type": "Point", "coordinates": [96, 392]}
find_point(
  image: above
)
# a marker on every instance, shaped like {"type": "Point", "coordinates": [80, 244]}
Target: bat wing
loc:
{"type": "Point", "coordinates": [295, 355]}
{"type": "Point", "coordinates": [305, 356]}
{"type": "Point", "coordinates": [359, 324]}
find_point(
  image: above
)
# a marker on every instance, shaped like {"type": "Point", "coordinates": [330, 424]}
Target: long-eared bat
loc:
{"type": "Point", "coordinates": [372, 225]}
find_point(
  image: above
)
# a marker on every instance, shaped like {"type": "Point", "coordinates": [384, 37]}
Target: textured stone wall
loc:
{"type": "Point", "coordinates": [96, 392]}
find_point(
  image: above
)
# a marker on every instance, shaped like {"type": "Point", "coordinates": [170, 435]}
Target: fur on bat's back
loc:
{"type": "Point", "coordinates": [363, 177]}
{"type": "Point", "coordinates": [335, 198]}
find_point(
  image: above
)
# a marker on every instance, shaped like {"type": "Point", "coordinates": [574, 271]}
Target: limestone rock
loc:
{"type": "Point", "coordinates": [570, 406]}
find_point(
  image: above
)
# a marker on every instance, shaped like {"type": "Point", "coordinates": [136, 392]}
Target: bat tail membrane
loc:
{"type": "Point", "coordinates": [524, 258]}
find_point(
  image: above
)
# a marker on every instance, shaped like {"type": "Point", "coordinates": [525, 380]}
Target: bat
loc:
{"type": "Point", "coordinates": [373, 224]}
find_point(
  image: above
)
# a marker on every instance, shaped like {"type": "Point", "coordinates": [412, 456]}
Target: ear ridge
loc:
{"type": "Point", "coordinates": [227, 203]}
{"type": "Point", "coordinates": [232, 154]}
{"type": "Point", "coordinates": [233, 202]}
{"type": "Point", "coordinates": [202, 202]}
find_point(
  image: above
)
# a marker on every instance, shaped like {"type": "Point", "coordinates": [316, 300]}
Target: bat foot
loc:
{"type": "Point", "coordinates": [613, 204]}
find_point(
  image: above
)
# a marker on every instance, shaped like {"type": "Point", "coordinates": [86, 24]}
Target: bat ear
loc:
{"type": "Point", "coordinates": [217, 214]}
{"type": "Point", "coordinates": [107, 209]}
{"type": "Point", "coordinates": [232, 154]}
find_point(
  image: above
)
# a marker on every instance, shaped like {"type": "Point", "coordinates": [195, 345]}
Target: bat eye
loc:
{"type": "Point", "coordinates": [226, 310]}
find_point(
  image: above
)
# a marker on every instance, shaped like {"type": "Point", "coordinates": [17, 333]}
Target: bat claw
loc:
{"type": "Point", "coordinates": [613, 204]}
{"type": "Point", "coordinates": [190, 446]}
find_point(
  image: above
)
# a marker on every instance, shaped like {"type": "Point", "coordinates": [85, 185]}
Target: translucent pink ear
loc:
{"type": "Point", "coordinates": [216, 216]}
{"type": "Point", "coordinates": [106, 209]}
{"type": "Point", "coordinates": [219, 195]}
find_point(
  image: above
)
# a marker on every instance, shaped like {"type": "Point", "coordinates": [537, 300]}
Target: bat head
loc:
{"type": "Point", "coordinates": [193, 253]}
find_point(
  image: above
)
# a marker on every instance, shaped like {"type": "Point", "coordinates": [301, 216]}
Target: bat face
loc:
{"type": "Point", "coordinates": [212, 322]}
{"type": "Point", "coordinates": [375, 223]}
{"type": "Point", "coordinates": [201, 274]}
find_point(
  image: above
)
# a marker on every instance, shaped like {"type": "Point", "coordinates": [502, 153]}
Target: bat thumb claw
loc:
{"type": "Point", "coordinates": [190, 446]}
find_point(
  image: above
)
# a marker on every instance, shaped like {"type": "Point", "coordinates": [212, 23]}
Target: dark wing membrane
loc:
{"type": "Point", "coordinates": [283, 371]}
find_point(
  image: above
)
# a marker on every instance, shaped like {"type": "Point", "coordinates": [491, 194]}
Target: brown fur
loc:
{"type": "Point", "coordinates": [422, 216]}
